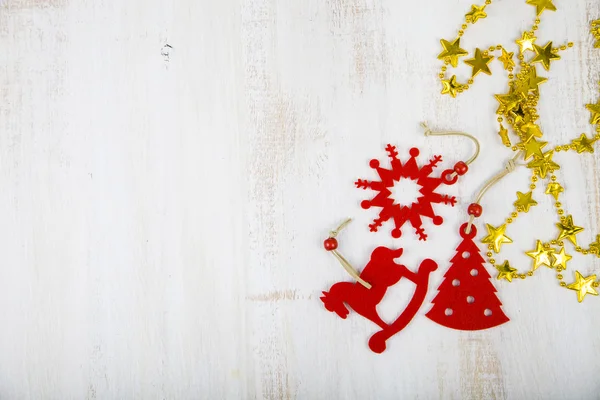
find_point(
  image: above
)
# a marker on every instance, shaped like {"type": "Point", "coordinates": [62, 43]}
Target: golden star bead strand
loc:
{"type": "Point", "coordinates": [582, 285]}
{"type": "Point", "coordinates": [452, 52]}
{"type": "Point", "coordinates": [518, 109]}
{"type": "Point", "coordinates": [551, 254]}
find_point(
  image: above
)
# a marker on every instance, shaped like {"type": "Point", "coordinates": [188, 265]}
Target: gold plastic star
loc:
{"type": "Point", "coordinates": [505, 271]}
{"type": "Point", "coordinates": [508, 101]}
{"type": "Point", "coordinates": [452, 51]}
{"type": "Point", "coordinates": [519, 114]}
{"type": "Point", "coordinates": [451, 86]}
{"type": "Point", "coordinates": [531, 130]}
{"type": "Point", "coordinates": [507, 59]}
{"type": "Point", "coordinates": [543, 165]}
{"type": "Point", "coordinates": [525, 201]}
{"type": "Point", "coordinates": [520, 86]}
{"type": "Point", "coordinates": [526, 42]}
{"type": "Point", "coordinates": [568, 230]}
{"type": "Point", "coordinates": [542, 5]}
{"type": "Point", "coordinates": [504, 136]}
{"type": "Point", "coordinates": [595, 246]}
{"type": "Point", "coordinates": [496, 237]}
{"type": "Point", "coordinates": [584, 144]}
{"type": "Point", "coordinates": [595, 110]}
{"type": "Point", "coordinates": [533, 80]}
{"type": "Point", "coordinates": [560, 259]}
{"type": "Point", "coordinates": [583, 286]}
{"type": "Point", "coordinates": [541, 256]}
{"type": "Point", "coordinates": [480, 63]}
{"type": "Point", "coordinates": [555, 189]}
{"type": "Point", "coordinates": [544, 55]}
{"type": "Point", "coordinates": [475, 14]}
{"type": "Point", "coordinates": [532, 148]}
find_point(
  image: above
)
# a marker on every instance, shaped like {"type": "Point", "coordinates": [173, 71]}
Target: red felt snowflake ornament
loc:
{"type": "Point", "coordinates": [422, 176]}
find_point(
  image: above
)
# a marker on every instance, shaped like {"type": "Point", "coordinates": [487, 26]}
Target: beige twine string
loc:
{"type": "Point", "coordinates": [510, 166]}
{"type": "Point", "coordinates": [347, 266]}
{"type": "Point", "coordinates": [429, 132]}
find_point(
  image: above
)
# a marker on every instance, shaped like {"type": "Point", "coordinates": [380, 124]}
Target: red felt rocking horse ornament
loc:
{"type": "Point", "coordinates": [378, 275]}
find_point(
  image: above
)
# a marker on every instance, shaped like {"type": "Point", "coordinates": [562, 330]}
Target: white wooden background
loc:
{"type": "Point", "coordinates": [161, 221]}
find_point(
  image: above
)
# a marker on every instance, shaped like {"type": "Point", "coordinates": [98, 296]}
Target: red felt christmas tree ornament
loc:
{"type": "Point", "coordinates": [466, 299]}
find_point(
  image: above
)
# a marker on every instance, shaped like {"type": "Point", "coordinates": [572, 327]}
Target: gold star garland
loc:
{"type": "Point", "coordinates": [518, 108]}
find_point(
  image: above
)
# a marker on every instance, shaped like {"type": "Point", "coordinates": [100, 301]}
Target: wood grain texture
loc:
{"type": "Point", "coordinates": [162, 219]}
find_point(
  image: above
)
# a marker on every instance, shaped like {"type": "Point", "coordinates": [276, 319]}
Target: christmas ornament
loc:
{"type": "Point", "coordinates": [452, 51]}
{"type": "Point", "coordinates": [466, 299]}
{"type": "Point", "coordinates": [422, 176]}
{"type": "Point", "coordinates": [496, 237]}
{"type": "Point", "coordinates": [544, 55]}
{"type": "Point", "coordinates": [518, 109]}
{"type": "Point", "coordinates": [379, 274]}
{"type": "Point", "coordinates": [542, 5]}
{"type": "Point", "coordinates": [583, 285]}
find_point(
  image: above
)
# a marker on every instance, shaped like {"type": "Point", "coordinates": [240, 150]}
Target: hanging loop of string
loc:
{"type": "Point", "coordinates": [347, 266]}
{"type": "Point", "coordinates": [429, 132]}
{"type": "Point", "coordinates": [511, 165]}
{"type": "Point", "coordinates": [336, 231]}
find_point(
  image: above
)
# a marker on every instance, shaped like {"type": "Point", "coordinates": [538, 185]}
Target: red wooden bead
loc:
{"type": "Point", "coordinates": [475, 210]}
{"type": "Point", "coordinates": [330, 244]}
{"type": "Point", "coordinates": [461, 168]}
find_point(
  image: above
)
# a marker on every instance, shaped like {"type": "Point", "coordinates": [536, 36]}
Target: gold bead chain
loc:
{"type": "Point", "coordinates": [518, 109]}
